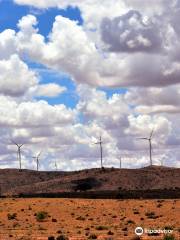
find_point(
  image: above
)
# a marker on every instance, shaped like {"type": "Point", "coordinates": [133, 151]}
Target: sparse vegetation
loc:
{"type": "Point", "coordinates": [110, 218]}
{"type": "Point", "coordinates": [29, 208]}
{"type": "Point", "coordinates": [16, 224]}
{"type": "Point", "coordinates": [54, 220]}
{"type": "Point", "coordinates": [125, 229]}
{"type": "Point", "coordinates": [11, 216]}
{"type": "Point", "coordinates": [100, 228]}
{"type": "Point", "coordinates": [169, 237]}
{"type": "Point", "coordinates": [51, 238]}
{"type": "Point", "coordinates": [41, 216]}
{"type": "Point", "coordinates": [130, 222]}
{"type": "Point", "coordinates": [151, 215]}
{"type": "Point", "coordinates": [80, 218]}
{"type": "Point", "coordinates": [62, 237]}
{"type": "Point", "coordinates": [110, 233]}
{"type": "Point", "coordinates": [92, 236]}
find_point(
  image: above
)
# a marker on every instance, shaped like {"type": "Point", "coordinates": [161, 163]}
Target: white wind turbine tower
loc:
{"type": "Point", "coordinates": [162, 161]}
{"type": "Point", "coordinates": [101, 150]}
{"type": "Point", "coordinates": [18, 152]}
{"type": "Point", "coordinates": [56, 167]}
{"type": "Point", "coordinates": [37, 160]}
{"type": "Point", "coordinates": [150, 145]}
{"type": "Point", "coordinates": [120, 162]}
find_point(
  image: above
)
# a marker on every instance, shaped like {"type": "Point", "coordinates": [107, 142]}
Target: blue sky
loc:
{"type": "Point", "coordinates": [69, 97]}
{"type": "Point", "coordinates": [45, 21]}
{"type": "Point", "coordinates": [45, 17]}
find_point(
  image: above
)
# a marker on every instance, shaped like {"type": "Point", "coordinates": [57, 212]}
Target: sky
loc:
{"type": "Point", "coordinates": [72, 71]}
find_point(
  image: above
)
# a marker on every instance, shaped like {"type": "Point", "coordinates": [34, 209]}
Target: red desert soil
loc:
{"type": "Point", "coordinates": [83, 218]}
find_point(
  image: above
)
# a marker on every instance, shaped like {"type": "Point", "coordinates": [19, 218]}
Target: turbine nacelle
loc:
{"type": "Point", "coordinates": [150, 145]}
{"type": "Point", "coordinates": [18, 152]}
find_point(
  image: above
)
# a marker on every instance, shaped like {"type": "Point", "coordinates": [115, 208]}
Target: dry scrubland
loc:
{"type": "Point", "coordinates": [86, 219]}
{"type": "Point", "coordinates": [15, 182]}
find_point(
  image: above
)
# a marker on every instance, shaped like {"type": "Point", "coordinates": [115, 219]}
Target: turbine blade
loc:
{"type": "Point", "coordinates": [143, 138]}
{"type": "Point", "coordinates": [14, 142]}
{"type": "Point", "coordinates": [151, 133]}
{"type": "Point", "coordinates": [39, 154]}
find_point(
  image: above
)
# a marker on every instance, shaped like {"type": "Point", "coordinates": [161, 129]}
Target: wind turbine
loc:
{"type": "Point", "coordinates": [150, 145]}
{"type": "Point", "coordinates": [162, 161]}
{"type": "Point", "coordinates": [18, 152]}
{"type": "Point", "coordinates": [37, 159]}
{"type": "Point", "coordinates": [100, 144]}
{"type": "Point", "coordinates": [120, 163]}
{"type": "Point", "coordinates": [56, 166]}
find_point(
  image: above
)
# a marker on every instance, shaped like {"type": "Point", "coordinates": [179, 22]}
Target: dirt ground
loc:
{"type": "Point", "coordinates": [83, 219]}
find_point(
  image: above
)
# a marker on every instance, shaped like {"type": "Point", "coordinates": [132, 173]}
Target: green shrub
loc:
{"type": "Point", "coordinates": [169, 237]}
{"type": "Point", "coordinates": [41, 216]}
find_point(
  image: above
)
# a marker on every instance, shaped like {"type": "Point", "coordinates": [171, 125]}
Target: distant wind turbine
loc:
{"type": "Point", "coordinates": [18, 152]}
{"type": "Point", "coordinates": [150, 145]}
{"type": "Point", "coordinates": [37, 160]}
{"type": "Point", "coordinates": [120, 163]}
{"type": "Point", "coordinates": [162, 161]}
{"type": "Point", "coordinates": [101, 150]}
{"type": "Point", "coordinates": [56, 167]}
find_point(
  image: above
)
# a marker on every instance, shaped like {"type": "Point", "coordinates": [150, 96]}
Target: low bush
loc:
{"type": "Point", "coordinates": [41, 216]}
{"type": "Point", "coordinates": [92, 236]}
{"type": "Point", "coordinates": [110, 233]}
{"type": "Point", "coordinates": [12, 216]}
{"type": "Point", "coordinates": [51, 238]}
{"type": "Point", "coordinates": [169, 237]}
{"type": "Point", "coordinates": [151, 215]}
{"type": "Point", "coordinates": [62, 237]}
{"type": "Point", "coordinates": [130, 222]}
{"type": "Point", "coordinates": [100, 228]}
{"type": "Point", "coordinates": [80, 218]}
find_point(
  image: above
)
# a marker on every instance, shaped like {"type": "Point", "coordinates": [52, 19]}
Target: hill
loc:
{"type": "Point", "coordinates": [28, 182]}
